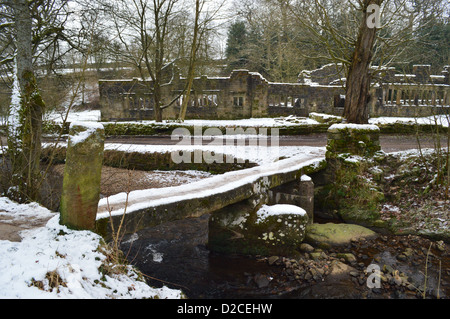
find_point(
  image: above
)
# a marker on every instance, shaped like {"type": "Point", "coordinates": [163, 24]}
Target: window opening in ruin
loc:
{"type": "Point", "coordinates": [238, 101]}
{"type": "Point", "coordinates": [339, 100]}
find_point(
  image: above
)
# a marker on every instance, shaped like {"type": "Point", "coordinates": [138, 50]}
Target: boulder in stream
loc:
{"type": "Point", "coordinates": [330, 234]}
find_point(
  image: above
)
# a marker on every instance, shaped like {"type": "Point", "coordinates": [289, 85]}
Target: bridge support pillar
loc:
{"type": "Point", "coordinates": [345, 140]}
{"type": "Point", "coordinates": [306, 189]}
{"type": "Point", "coordinates": [249, 227]}
{"type": "Point", "coordinates": [299, 193]}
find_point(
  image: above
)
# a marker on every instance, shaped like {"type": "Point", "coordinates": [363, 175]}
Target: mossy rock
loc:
{"type": "Point", "coordinates": [325, 118]}
{"type": "Point", "coordinates": [331, 234]}
{"type": "Point", "coordinates": [247, 228]}
{"type": "Point", "coordinates": [280, 225]}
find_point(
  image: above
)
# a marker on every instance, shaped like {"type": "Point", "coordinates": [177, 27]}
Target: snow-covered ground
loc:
{"type": "Point", "coordinates": [28, 267]}
{"type": "Point", "coordinates": [88, 115]}
{"type": "Point", "coordinates": [75, 256]}
{"type": "Point", "coordinates": [94, 115]}
{"type": "Point", "coordinates": [438, 119]}
{"type": "Point", "coordinates": [177, 177]}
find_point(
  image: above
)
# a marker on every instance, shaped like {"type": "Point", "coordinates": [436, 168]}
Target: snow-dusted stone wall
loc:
{"type": "Point", "coordinates": [246, 94]}
{"type": "Point", "coordinates": [243, 94]}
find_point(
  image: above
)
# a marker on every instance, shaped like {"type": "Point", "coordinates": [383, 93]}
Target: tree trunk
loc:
{"type": "Point", "coordinates": [192, 58]}
{"type": "Point", "coordinates": [157, 101]}
{"type": "Point", "coordinates": [358, 80]}
{"type": "Point", "coordinates": [24, 133]}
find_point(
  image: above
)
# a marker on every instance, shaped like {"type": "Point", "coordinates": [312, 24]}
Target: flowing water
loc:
{"type": "Point", "coordinates": [176, 255]}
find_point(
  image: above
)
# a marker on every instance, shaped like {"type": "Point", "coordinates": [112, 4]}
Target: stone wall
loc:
{"type": "Point", "coordinates": [246, 94]}
{"type": "Point", "coordinates": [243, 94]}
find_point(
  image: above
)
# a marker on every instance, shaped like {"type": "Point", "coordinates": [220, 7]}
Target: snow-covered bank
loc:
{"type": "Point", "coordinates": [428, 120]}
{"type": "Point", "coordinates": [244, 123]}
{"type": "Point", "coordinates": [56, 262]}
{"type": "Point", "coordinates": [78, 116]}
{"type": "Point", "coordinates": [94, 115]}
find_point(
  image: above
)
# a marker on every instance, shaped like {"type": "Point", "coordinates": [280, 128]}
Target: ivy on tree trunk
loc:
{"type": "Point", "coordinates": [25, 120]}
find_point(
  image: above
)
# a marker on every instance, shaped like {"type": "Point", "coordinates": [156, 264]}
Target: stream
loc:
{"type": "Point", "coordinates": [175, 254]}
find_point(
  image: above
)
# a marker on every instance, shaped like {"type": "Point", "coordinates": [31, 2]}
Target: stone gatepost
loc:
{"type": "Point", "coordinates": [345, 195]}
{"type": "Point", "coordinates": [352, 139]}
{"type": "Point", "coordinates": [82, 173]}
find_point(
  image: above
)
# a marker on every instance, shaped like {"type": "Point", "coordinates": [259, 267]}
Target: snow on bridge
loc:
{"type": "Point", "coordinates": [146, 208]}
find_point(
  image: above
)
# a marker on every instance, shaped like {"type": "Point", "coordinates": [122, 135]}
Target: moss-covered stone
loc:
{"type": "Point", "coordinates": [362, 140]}
{"type": "Point", "coordinates": [82, 174]}
{"type": "Point", "coordinates": [350, 195]}
{"type": "Point", "coordinates": [242, 228]}
{"type": "Point", "coordinates": [281, 231]}
{"type": "Point", "coordinates": [331, 234]}
{"type": "Point", "coordinates": [136, 129]}
{"type": "Point", "coordinates": [325, 118]}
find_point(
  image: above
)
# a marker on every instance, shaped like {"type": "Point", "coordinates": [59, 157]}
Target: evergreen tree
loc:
{"type": "Point", "coordinates": [236, 46]}
{"type": "Point", "coordinates": [433, 46]}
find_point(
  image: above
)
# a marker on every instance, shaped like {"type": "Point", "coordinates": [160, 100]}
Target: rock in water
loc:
{"type": "Point", "coordinates": [269, 230]}
{"type": "Point", "coordinates": [273, 259]}
{"type": "Point", "coordinates": [307, 248]}
{"type": "Point", "coordinates": [336, 234]}
{"type": "Point", "coordinates": [280, 225]}
{"type": "Point", "coordinates": [262, 281]}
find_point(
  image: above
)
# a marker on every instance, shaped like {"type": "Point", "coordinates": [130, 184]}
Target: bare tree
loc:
{"type": "Point", "coordinates": [33, 32]}
{"type": "Point", "coordinates": [275, 43]}
{"type": "Point", "coordinates": [143, 28]}
{"type": "Point", "coordinates": [343, 35]}
{"type": "Point", "coordinates": [154, 35]}
{"type": "Point", "coordinates": [201, 27]}
{"type": "Point", "coordinates": [192, 58]}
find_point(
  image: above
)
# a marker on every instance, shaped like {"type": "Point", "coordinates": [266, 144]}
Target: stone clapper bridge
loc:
{"type": "Point", "coordinates": [279, 182]}
{"type": "Point", "coordinates": [242, 219]}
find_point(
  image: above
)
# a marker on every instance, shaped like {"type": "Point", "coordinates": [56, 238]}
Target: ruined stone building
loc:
{"type": "Point", "coordinates": [246, 94]}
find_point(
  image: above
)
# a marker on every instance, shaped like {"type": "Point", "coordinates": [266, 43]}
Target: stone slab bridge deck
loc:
{"type": "Point", "coordinates": [146, 208]}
